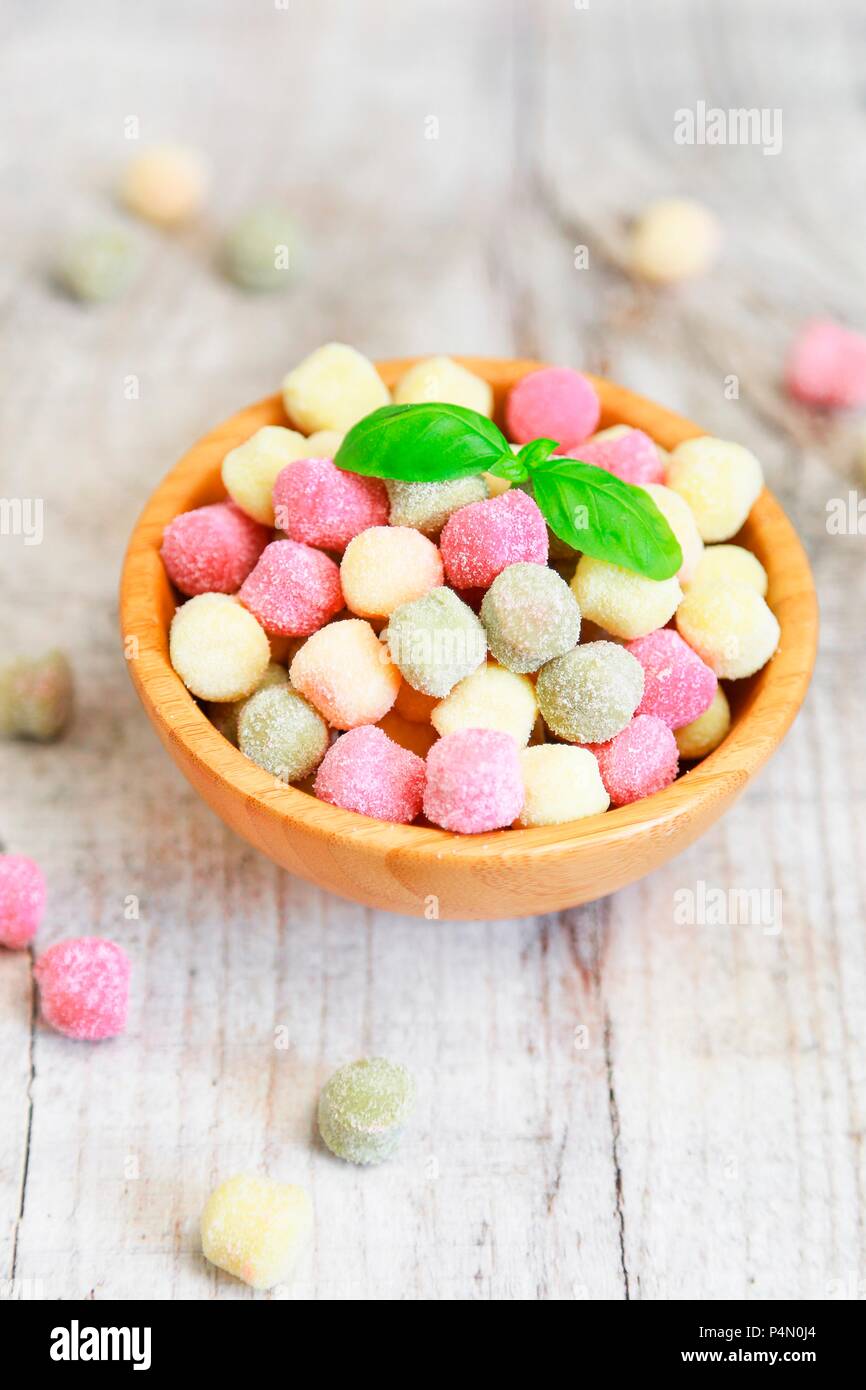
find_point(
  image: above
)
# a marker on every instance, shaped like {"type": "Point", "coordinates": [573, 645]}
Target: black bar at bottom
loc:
{"type": "Point", "coordinates": [139, 1339]}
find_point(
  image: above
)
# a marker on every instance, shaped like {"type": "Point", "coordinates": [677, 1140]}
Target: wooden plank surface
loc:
{"type": "Point", "coordinates": [612, 1104]}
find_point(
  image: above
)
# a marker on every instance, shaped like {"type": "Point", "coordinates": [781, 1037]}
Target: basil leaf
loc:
{"type": "Point", "coordinates": [430, 442]}
{"type": "Point", "coordinates": [509, 466]}
{"type": "Point", "coordinates": [536, 453]}
{"type": "Point", "coordinates": [602, 516]}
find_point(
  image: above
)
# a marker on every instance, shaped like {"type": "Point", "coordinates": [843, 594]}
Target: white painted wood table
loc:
{"type": "Point", "coordinates": [612, 1105]}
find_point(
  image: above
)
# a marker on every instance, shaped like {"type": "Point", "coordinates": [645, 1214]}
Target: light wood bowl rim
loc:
{"type": "Point", "coordinates": [753, 737]}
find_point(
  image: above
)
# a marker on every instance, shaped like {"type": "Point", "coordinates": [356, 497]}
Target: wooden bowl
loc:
{"type": "Point", "coordinates": [432, 873]}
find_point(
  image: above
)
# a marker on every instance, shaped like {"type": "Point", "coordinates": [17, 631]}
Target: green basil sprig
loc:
{"type": "Point", "coordinates": [585, 506]}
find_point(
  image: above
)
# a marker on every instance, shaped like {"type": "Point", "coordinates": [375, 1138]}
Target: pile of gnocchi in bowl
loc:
{"type": "Point", "coordinates": [417, 616]}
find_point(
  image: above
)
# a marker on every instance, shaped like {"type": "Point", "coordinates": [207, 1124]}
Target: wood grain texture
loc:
{"type": "Point", "coordinates": [424, 871]}
{"type": "Point", "coordinates": [613, 1103]}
